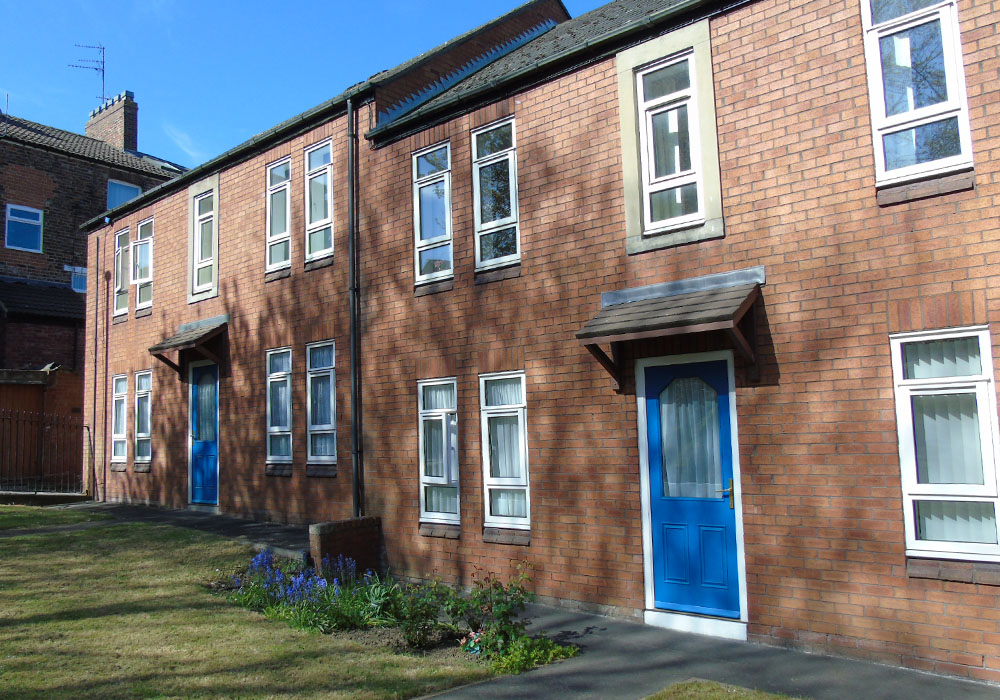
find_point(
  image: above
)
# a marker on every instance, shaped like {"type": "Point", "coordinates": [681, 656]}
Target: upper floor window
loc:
{"type": "Point", "coordinates": [142, 265]}
{"type": "Point", "coordinates": [121, 192]}
{"type": "Point", "coordinates": [319, 201]}
{"type": "Point", "coordinates": [24, 228]}
{"type": "Point", "coordinates": [438, 443]}
{"type": "Point", "coordinates": [494, 180]}
{"type": "Point", "coordinates": [279, 242]}
{"type": "Point", "coordinates": [279, 405]}
{"type": "Point", "coordinates": [947, 421]}
{"type": "Point", "coordinates": [916, 82]}
{"type": "Point", "coordinates": [204, 242]}
{"type": "Point", "coordinates": [505, 449]}
{"type": "Point", "coordinates": [432, 213]}
{"type": "Point", "coordinates": [121, 272]}
{"type": "Point", "coordinates": [668, 134]}
{"type": "Point", "coordinates": [321, 402]}
{"type": "Point", "coordinates": [77, 278]}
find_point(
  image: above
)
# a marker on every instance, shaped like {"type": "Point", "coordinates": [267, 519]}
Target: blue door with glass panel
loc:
{"type": "Point", "coordinates": [692, 514]}
{"type": "Point", "coordinates": [205, 434]}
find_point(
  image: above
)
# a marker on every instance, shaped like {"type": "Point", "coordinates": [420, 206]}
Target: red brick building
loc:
{"type": "Point", "coordinates": [688, 305]}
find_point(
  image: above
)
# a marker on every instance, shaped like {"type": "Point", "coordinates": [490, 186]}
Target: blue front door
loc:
{"type": "Point", "coordinates": [692, 519]}
{"type": "Point", "coordinates": [205, 434]}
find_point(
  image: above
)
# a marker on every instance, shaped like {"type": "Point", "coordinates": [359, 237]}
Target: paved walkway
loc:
{"type": "Point", "coordinates": [624, 660]}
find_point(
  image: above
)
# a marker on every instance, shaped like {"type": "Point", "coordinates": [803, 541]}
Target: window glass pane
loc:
{"type": "Point", "coordinates": [510, 503]}
{"type": "Point", "coordinates": [666, 80]}
{"type": "Point", "coordinates": [436, 259]}
{"type": "Point", "coordinates": [205, 397]}
{"type": "Point", "coordinates": [26, 214]}
{"type": "Point", "coordinates": [320, 388]}
{"type": "Point", "coordinates": [494, 191]}
{"type": "Point", "coordinates": [205, 205]}
{"type": "Point", "coordinates": [280, 445]}
{"type": "Point", "coordinates": [692, 457]}
{"type": "Point", "coordinates": [121, 385]}
{"type": "Point", "coordinates": [143, 260]}
{"type": "Point", "coordinates": [121, 301]}
{"type": "Point", "coordinates": [279, 403]}
{"type": "Point", "coordinates": [204, 276]}
{"type": "Point", "coordinates": [931, 359]}
{"type": "Point", "coordinates": [143, 449]}
{"type": "Point", "coordinates": [321, 356]}
{"type": "Point", "coordinates": [441, 499]}
{"type": "Point", "coordinates": [143, 382]}
{"type": "Point", "coordinates": [119, 193]}
{"type": "Point", "coordinates": [438, 396]}
{"type": "Point", "coordinates": [671, 142]}
{"type": "Point", "coordinates": [279, 362]}
{"type": "Point", "coordinates": [956, 521]}
{"type": "Point", "coordinates": [145, 295]}
{"type": "Point", "coordinates": [121, 240]}
{"type": "Point", "coordinates": [494, 140]}
{"type": "Point", "coordinates": [205, 249]}
{"type": "Point", "coordinates": [279, 203]}
{"type": "Point", "coordinates": [946, 437]}
{"type": "Point", "coordinates": [503, 392]}
{"type": "Point", "coordinates": [498, 244]}
{"type": "Point", "coordinates": [433, 447]}
{"type": "Point", "coordinates": [23, 235]}
{"type": "Point", "coordinates": [433, 213]}
{"type": "Point", "coordinates": [145, 230]}
{"type": "Point", "coordinates": [922, 144]}
{"type": "Point", "coordinates": [319, 157]}
{"type": "Point", "coordinates": [279, 173]}
{"type": "Point", "coordinates": [505, 446]}
{"type": "Point", "coordinates": [320, 240]}
{"type": "Point", "coordinates": [278, 253]}
{"type": "Point", "coordinates": [674, 202]}
{"type": "Point", "coordinates": [323, 444]}
{"type": "Point", "coordinates": [118, 425]}
{"type": "Point", "coordinates": [118, 448]}
{"type": "Point", "coordinates": [913, 68]}
{"type": "Point", "coordinates": [78, 281]}
{"type": "Point", "coordinates": [430, 163]}
{"type": "Point", "coordinates": [884, 10]}
{"type": "Point", "coordinates": [142, 414]}
{"type": "Point", "coordinates": [123, 271]}
{"type": "Point", "coordinates": [318, 210]}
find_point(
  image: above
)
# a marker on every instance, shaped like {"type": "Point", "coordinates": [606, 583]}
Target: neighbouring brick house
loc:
{"type": "Point", "coordinates": [51, 181]}
{"type": "Point", "coordinates": [688, 304]}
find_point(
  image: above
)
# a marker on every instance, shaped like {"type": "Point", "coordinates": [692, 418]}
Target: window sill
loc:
{"type": "Point", "coordinates": [984, 573]}
{"type": "Point", "coordinates": [500, 273]}
{"type": "Point", "coordinates": [319, 263]}
{"type": "Point", "coordinates": [442, 530]}
{"type": "Point", "coordinates": [142, 313]}
{"type": "Point", "coordinates": [277, 274]}
{"type": "Point", "coordinates": [283, 469]}
{"type": "Point", "coordinates": [930, 187]}
{"type": "Point", "coordinates": [499, 535]}
{"type": "Point", "coordinates": [120, 318]}
{"type": "Point", "coordinates": [323, 470]}
{"type": "Point", "coordinates": [119, 466]}
{"type": "Point", "coordinates": [672, 237]}
{"type": "Point", "coordinates": [434, 287]}
{"type": "Point", "coordinates": [141, 467]}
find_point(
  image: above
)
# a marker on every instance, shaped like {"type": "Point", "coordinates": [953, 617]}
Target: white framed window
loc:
{"type": "Point", "coordinates": [204, 243]}
{"type": "Point", "coordinates": [279, 405]}
{"type": "Point", "coordinates": [24, 228]}
{"type": "Point", "coordinates": [119, 419]}
{"type": "Point", "coordinates": [142, 264]}
{"type": "Point", "coordinates": [321, 401]}
{"type": "Point", "coordinates": [143, 416]}
{"type": "Point", "coordinates": [916, 86]}
{"type": "Point", "coordinates": [505, 449]}
{"type": "Point", "coordinates": [77, 278]}
{"type": "Point", "coordinates": [279, 240]}
{"type": "Point", "coordinates": [494, 183]}
{"type": "Point", "coordinates": [120, 192]}
{"type": "Point", "coordinates": [319, 201]}
{"type": "Point", "coordinates": [947, 422]}
{"type": "Point", "coordinates": [432, 213]}
{"type": "Point", "coordinates": [670, 145]}
{"type": "Point", "coordinates": [122, 272]}
{"type": "Point", "coordinates": [438, 443]}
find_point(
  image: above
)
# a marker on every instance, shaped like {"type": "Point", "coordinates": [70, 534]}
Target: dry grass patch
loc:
{"type": "Point", "coordinates": [695, 689]}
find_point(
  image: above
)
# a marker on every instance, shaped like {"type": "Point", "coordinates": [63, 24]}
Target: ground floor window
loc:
{"type": "Point", "coordinates": [143, 416]}
{"type": "Point", "coordinates": [119, 409]}
{"type": "Point", "coordinates": [279, 405]}
{"type": "Point", "coordinates": [438, 440]}
{"type": "Point", "coordinates": [505, 449]}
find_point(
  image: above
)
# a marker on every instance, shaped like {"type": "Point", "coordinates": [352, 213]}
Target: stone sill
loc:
{"type": "Point", "coordinates": [143, 312]}
{"type": "Point", "coordinates": [319, 263]}
{"type": "Point", "coordinates": [501, 273]}
{"type": "Point", "coordinates": [932, 187]}
{"type": "Point", "coordinates": [120, 318]}
{"type": "Point", "coordinates": [444, 530]}
{"type": "Point", "coordinates": [434, 287]}
{"type": "Point", "coordinates": [119, 467]}
{"type": "Point", "coordinates": [499, 535]}
{"type": "Point", "coordinates": [981, 572]}
{"type": "Point", "coordinates": [141, 467]}
{"type": "Point", "coordinates": [325, 470]}
{"type": "Point", "coordinates": [278, 470]}
{"type": "Point", "coordinates": [274, 275]}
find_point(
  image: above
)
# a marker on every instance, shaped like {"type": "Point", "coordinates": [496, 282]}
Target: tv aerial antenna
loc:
{"type": "Point", "coordinates": [93, 64]}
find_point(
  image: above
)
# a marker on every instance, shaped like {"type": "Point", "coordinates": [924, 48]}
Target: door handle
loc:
{"type": "Point", "coordinates": [732, 500]}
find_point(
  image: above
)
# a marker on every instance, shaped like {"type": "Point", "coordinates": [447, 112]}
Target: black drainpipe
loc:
{"type": "Point", "coordinates": [93, 401]}
{"type": "Point", "coordinates": [357, 449]}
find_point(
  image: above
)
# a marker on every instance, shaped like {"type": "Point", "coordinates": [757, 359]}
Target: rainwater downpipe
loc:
{"type": "Point", "coordinates": [93, 399]}
{"type": "Point", "coordinates": [104, 412]}
{"type": "Point", "coordinates": [357, 449]}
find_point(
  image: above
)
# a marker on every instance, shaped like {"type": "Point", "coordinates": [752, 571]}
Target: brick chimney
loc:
{"type": "Point", "coordinates": [116, 122]}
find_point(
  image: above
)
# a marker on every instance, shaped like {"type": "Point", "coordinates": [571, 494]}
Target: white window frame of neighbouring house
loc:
{"type": "Point", "coordinates": [944, 380]}
{"type": "Point", "coordinates": [484, 156]}
{"type": "Point", "coordinates": [204, 213]}
{"type": "Point", "coordinates": [893, 43]}
{"type": "Point", "coordinates": [119, 418]}
{"type": "Point", "coordinates": [510, 483]}
{"type": "Point", "coordinates": [318, 370]}
{"type": "Point", "coordinates": [143, 447]}
{"type": "Point", "coordinates": [123, 272]}
{"type": "Point", "coordinates": [25, 219]}
{"type": "Point", "coordinates": [279, 423]}
{"type": "Point", "coordinates": [278, 250]}
{"type": "Point", "coordinates": [322, 168]}
{"type": "Point", "coordinates": [439, 475]}
{"type": "Point", "coordinates": [432, 176]}
{"type": "Point", "coordinates": [142, 264]}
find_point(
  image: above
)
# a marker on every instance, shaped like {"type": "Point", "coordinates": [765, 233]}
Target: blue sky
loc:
{"type": "Point", "coordinates": [208, 75]}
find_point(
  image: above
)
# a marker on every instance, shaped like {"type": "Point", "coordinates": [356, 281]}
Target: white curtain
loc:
{"type": "Point", "coordinates": [689, 428]}
{"type": "Point", "coordinates": [319, 397]}
{"type": "Point", "coordinates": [206, 408]}
{"type": "Point", "coordinates": [508, 502]}
{"type": "Point", "coordinates": [433, 447]}
{"type": "Point", "coordinates": [439, 396]}
{"type": "Point", "coordinates": [503, 392]}
{"type": "Point", "coordinates": [505, 446]}
{"type": "Point", "coordinates": [956, 521]}
{"type": "Point", "coordinates": [956, 357]}
{"type": "Point", "coordinates": [279, 403]}
{"type": "Point", "coordinates": [142, 415]}
{"type": "Point", "coordinates": [946, 437]}
{"type": "Point", "coordinates": [324, 444]}
{"type": "Point", "coordinates": [441, 499]}
{"type": "Point", "coordinates": [321, 356]}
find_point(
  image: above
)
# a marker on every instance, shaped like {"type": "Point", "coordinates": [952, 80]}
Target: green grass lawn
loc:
{"type": "Point", "coordinates": [123, 612]}
{"type": "Point", "coordinates": [708, 690]}
{"type": "Point", "coordinates": [12, 517]}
